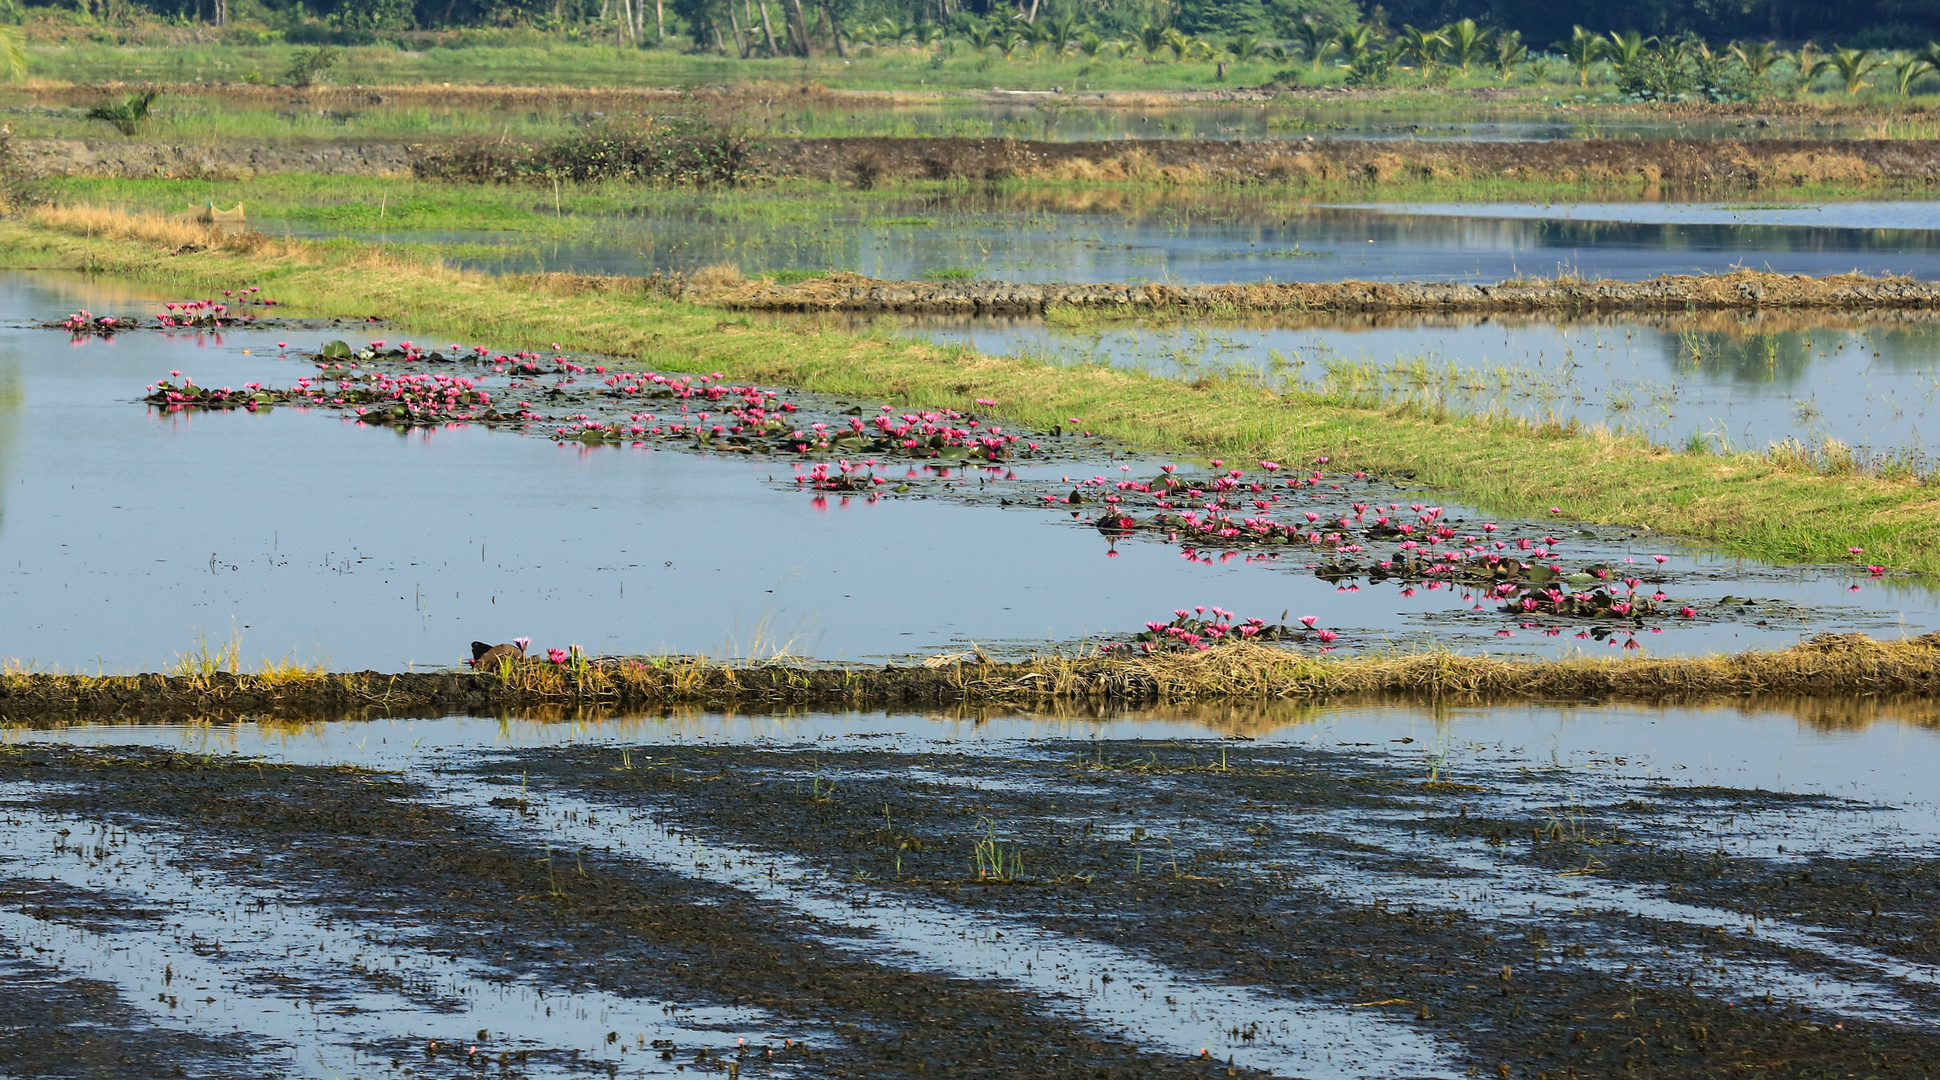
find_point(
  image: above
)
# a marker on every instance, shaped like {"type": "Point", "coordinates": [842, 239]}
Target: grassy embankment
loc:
{"type": "Point", "coordinates": [1752, 504]}
{"type": "Point", "coordinates": [1897, 678]}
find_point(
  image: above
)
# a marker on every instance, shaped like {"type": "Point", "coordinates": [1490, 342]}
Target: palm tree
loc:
{"type": "Point", "coordinates": [978, 33]}
{"type": "Point", "coordinates": [1355, 41]}
{"type": "Point", "coordinates": [1466, 42]}
{"type": "Point", "coordinates": [1151, 38]}
{"type": "Point", "coordinates": [1179, 42]}
{"type": "Point", "coordinates": [1582, 50]}
{"type": "Point", "coordinates": [1315, 38]}
{"type": "Point", "coordinates": [1757, 57]}
{"type": "Point", "coordinates": [1624, 49]}
{"type": "Point", "coordinates": [13, 53]}
{"type": "Point", "coordinates": [1808, 62]}
{"type": "Point", "coordinates": [1908, 67]}
{"type": "Point", "coordinates": [1245, 47]}
{"type": "Point", "coordinates": [1013, 37]}
{"type": "Point", "coordinates": [1510, 52]}
{"type": "Point", "coordinates": [1853, 65]}
{"type": "Point", "coordinates": [1089, 44]}
{"type": "Point", "coordinates": [1059, 32]}
{"type": "Point", "coordinates": [1421, 48]}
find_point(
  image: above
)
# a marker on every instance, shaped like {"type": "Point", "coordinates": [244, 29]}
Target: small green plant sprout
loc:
{"type": "Point", "coordinates": [128, 114]}
{"type": "Point", "coordinates": [995, 861]}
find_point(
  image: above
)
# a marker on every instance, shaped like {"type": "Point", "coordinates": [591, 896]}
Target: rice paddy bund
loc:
{"type": "Point", "coordinates": [860, 575]}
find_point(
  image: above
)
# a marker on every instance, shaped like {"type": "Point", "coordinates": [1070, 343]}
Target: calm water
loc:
{"type": "Point", "coordinates": [1733, 382]}
{"type": "Point", "coordinates": [1484, 243]}
{"type": "Point", "coordinates": [129, 536]}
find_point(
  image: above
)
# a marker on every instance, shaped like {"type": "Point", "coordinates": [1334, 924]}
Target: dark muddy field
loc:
{"type": "Point", "coordinates": [1377, 893]}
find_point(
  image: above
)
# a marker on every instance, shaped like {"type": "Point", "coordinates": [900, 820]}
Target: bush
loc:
{"type": "Point", "coordinates": [1371, 68]}
{"type": "Point", "coordinates": [673, 150]}
{"type": "Point", "coordinates": [1656, 75]}
{"type": "Point", "coordinates": [307, 66]}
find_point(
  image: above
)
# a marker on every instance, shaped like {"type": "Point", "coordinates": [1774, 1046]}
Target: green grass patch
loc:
{"type": "Point", "coordinates": [1743, 502]}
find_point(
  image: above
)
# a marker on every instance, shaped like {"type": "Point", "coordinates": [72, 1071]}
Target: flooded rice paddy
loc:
{"type": "Point", "coordinates": [278, 520]}
{"type": "Point", "coordinates": [1343, 891]}
{"type": "Point", "coordinates": [1727, 381]}
{"type": "Point", "coordinates": [1005, 238]}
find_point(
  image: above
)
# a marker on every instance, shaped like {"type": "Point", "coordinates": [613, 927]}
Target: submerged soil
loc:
{"type": "Point", "coordinates": [1335, 877]}
{"type": "Point", "coordinates": [1829, 665]}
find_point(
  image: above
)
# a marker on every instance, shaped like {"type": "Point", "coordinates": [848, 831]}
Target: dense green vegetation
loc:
{"type": "Point", "coordinates": [1645, 52]}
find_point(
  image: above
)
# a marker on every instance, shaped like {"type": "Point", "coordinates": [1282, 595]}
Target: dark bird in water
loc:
{"type": "Point", "coordinates": [484, 656]}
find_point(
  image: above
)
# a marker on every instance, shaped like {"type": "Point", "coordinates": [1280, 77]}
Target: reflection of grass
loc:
{"type": "Point", "coordinates": [1742, 502]}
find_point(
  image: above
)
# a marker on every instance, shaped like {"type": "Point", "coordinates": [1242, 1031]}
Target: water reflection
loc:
{"type": "Point", "coordinates": [1212, 238]}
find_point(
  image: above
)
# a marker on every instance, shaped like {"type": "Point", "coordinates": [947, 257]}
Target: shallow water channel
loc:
{"type": "Point", "coordinates": [130, 534]}
{"type": "Point", "coordinates": [1343, 891]}
{"type": "Point", "coordinates": [1006, 238]}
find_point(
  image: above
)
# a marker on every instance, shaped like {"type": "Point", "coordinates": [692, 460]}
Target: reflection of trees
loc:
{"type": "Point", "coordinates": [1722, 356]}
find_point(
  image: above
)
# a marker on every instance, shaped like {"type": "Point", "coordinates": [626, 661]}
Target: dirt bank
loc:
{"type": "Point", "coordinates": [1645, 164]}
{"type": "Point", "coordinates": [1836, 664]}
{"type": "Point", "coordinates": [1742, 291]}
{"type": "Point", "coordinates": [38, 158]}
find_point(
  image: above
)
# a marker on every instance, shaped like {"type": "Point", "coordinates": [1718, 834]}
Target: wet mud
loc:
{"type": "Point", "coordinates": [1217, 859]}
{"type": "Point", "coordinates": [1523, 921]}
{"type": "Point", "coordinates": [368, 848]}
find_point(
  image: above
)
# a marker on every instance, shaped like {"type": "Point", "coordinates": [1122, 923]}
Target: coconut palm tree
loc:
{"type": "Point", "coordinates": [1510, 52]}
{"type": "Point", "coordinates": [1058, 33]}
{"type": "Point", "coordinates": [1467, 42]}
{"type": "Point", "coordinates": [1315, 38]}
{"type": "Point", "coordinates": [979, 33]}
{"type": "Point", "coordinates": [1180, 43]}
{"type": "Point", "coordinates": [1624, 49]}
{"type": "Point", "coordinates": [1757, 57]}
{"type": "Point", "coordinates": [1355, 41]}
{"type": "Point", "coordinates": [1151, 38]}
{"type": "Point", "coordinates": [1422, 49]}
{"type": "Point", "coordinates": [1853, 65]}
{"type": "Point", "coordinates": [1245, 47]}
{"type": "Point", "coordinates": [13, 53]}
{"type": "Point", "coordinates": [1089, 44]}
{"type": "Point", "coordinates": [1807, 63]}
{"type": "Point", "coordinates": [1583, 49]}
{"type": "Point", "coordinates": [1906, 68]}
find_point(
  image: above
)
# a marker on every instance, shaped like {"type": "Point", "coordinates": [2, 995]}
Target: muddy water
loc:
{"type": "Point", "coordinates": [973, 235]}
{"type": "Point", "coordinates": [130, 535]}
{"type": "Point", "coordinates": [1733, 383]}
{"type": "Point", "coordinates": [1339, 892]}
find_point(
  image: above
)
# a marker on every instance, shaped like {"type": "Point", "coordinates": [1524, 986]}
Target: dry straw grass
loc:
{"type": "Point", "coordinates": [179, 233]}
{"type": "Point", "coordinates": [1842, 667]}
